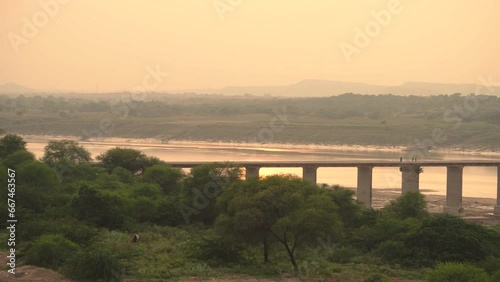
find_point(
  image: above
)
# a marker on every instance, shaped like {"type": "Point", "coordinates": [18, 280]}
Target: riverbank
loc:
{"type": "Point", "coordinates": [120, 141]}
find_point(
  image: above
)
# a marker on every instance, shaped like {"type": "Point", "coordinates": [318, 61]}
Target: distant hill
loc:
{"type": "Point", "coordinates": [304, 88]}
{"type": "Point", "coordinates": [12, 88]}
{"type": "Point", "coordinates": [319, 88]}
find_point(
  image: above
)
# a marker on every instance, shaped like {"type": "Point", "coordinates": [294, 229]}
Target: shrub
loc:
{"type": "Point", "coordinates": [93, 265]}
{"type": "Point", "coordinates": [445, 238]}
{"type": "Point", "coordinates": [495, 276]}
{"type": "Point", "coordinates": [50, 251]}
{"type": "Point", "coordinates": [215, 250]}
{"type": "Point", "coordinates": [377, 277]}
{"type": "Point", "coordinates": [394, 252]}
{"type": "Point", "coordinates": [490, 265]}
{"type": "Point", "coordinates": [457, 272]}
{"type": "Point", "coordinates": [342, 255]}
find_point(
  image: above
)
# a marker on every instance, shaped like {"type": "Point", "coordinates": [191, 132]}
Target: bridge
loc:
{"type": "Point", "coordinates": [410, 172]}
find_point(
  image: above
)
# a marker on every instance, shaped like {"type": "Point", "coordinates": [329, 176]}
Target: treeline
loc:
{"type": "Point", "coordinates": [79, 217]}
{"type": "Point", "coordinates": [482, 108]}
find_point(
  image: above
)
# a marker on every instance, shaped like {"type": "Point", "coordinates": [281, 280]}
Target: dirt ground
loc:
{"type": "Point", "coordinates": [479, 210]}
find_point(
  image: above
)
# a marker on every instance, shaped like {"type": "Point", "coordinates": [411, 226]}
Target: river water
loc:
{"type": "Point", "coordinates": [477, 181]}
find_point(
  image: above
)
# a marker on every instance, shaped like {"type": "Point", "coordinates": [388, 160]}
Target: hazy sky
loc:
{"type": "Point", "coordinates": [216, 43]}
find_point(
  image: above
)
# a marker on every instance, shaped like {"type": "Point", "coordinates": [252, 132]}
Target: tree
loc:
{"type": "Point", "coordinates": [101, 208]}
{"type": "Point", "coordinates": [11, 143]}
{"type": "Point", "coordinates": [167, 177]}
{"type": "Point", "coordinates": [409, 205]}
{"type": "Point", "coordinates": [350, 211]}
{"type": "Point", "coordinates": [68, 150]}
{"type": "Point", "coordinates": [18, 158]}
{"type": "Point", "coordinates": [130, 159]}
{"type": "Point", "coordinates": [294, 212]}
{"type": "Point", "coordinates": [37, 186]}
{"type": "Point", "coordinates": [204, 183]}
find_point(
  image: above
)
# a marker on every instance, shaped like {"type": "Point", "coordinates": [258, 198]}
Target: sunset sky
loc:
{"type": "Point", "coordinates": [217, 43]}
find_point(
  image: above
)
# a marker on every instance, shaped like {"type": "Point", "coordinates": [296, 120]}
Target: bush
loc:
{"type": "Point", "coordinates": [495, 276]}
{"type": "Point", "coordinates": [490, 265]}
{"type": "Point", "coordinates": [342, 255]}
{"type": "Point", "coordinates": [457, 272]}
{"type": "Point", "coordinates": [394, 252]}
{"type": "Point", "coordinates": [50, 251]}
{"type": "Point", "coordinates": [215, 250]}
{"type": "Point", "coordinates": [94, 265]}
{"type": "Point", "coordinates": [445, 238]}
{"type": "Point", "coordinates": [377, 277]}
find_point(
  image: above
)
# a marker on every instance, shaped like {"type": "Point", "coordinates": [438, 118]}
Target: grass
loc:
{"type": "Point", "coordinates": [167, 253]}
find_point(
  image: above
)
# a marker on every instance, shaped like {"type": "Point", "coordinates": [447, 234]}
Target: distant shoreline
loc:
{"type": "Point", "coordinates": [156, 141]}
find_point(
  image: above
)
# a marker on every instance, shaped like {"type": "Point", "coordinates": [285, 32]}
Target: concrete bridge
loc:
{"type": "Point", "coordinates": [410, 172]}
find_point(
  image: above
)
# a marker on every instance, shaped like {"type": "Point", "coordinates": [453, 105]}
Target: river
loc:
{"type": "Point", "coordinates": [477, 181]}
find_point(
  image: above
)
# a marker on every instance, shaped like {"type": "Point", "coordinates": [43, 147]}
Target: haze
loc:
{"type": "Point", "coordinates": [110, 43]}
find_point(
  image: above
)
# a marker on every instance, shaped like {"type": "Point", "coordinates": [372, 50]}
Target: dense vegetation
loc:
{"type": "Point", "coordinates": [459, 121]}
{"type": "Point", "coordinates": [79, 218]}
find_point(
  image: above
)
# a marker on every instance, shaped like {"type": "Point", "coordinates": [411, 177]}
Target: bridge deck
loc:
{"type": "Point", "coordinates": [343, 163]}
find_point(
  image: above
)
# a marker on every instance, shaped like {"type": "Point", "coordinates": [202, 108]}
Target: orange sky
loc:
{"type": "Point", "coordinates": [216, 43]}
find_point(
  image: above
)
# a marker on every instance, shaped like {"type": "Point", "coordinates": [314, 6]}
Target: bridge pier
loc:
{"type": "Point", "coordinates": [309, 173]}
{"type": "Point", "coordinates": [364, 190]}
{"type": "Point", "coordinates": [251, 171]}
{"type": "Point", "coordinates": [454, 177]}
{"type": "Point", "coordinates": [496, 211]}
{"type": "Point", "coordinates": [410, 177]}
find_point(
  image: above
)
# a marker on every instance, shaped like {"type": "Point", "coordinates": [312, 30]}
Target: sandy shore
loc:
{"type": "Point", "coordinates": [159, 141]}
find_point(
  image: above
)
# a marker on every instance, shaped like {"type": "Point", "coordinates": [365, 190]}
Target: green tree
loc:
{"type": "Point", "coordinates": [294, 212]}
{"type": "Point", "coordinates": [16, 159]}
{"type": "Point", "coordinates": [11, 143]}
{"type": "Point", "coordinates": [351, 212]}
{"type": "Point", "coordinates": [123, 175]}
{"type": "Point", "coordinates": [98, 207]}
{"type": "Point", "coordinates": [409, 205]}
{"type": "Point", "coordinates": [130, 159]}
{"type": "Point", "coordinates": [37, 186]}
{"type": "Point", "coordinates": [444, 238]}
{"type": "Point", "coordinates": [57, 151]}
{"type": "Point", "coordinates": [201, 188]}
{"type": "Point", "coordinates": [167, 177]}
